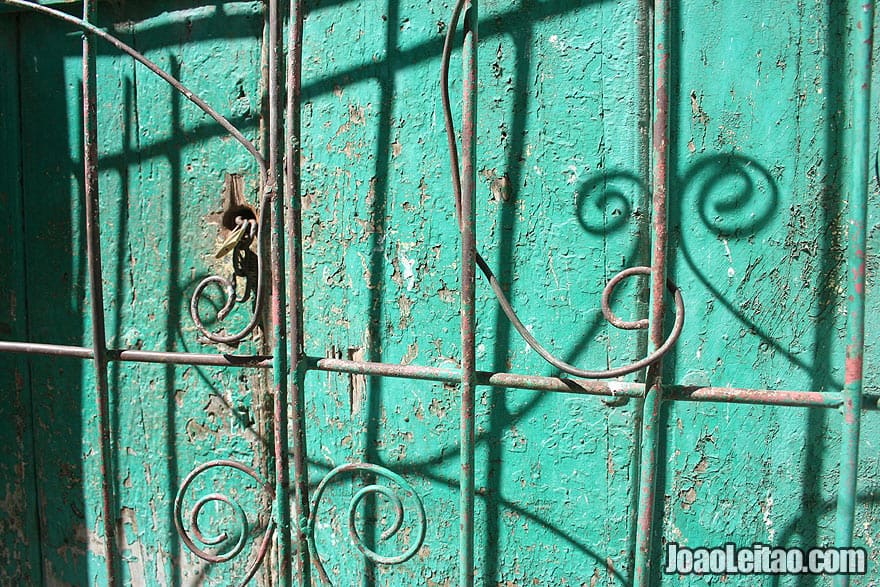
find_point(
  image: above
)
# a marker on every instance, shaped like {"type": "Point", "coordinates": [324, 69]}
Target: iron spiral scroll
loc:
{"type": "Point", "coordinates": [269, 192]}
{"type": "Point", "coordinates": [268, 188]}
{"type": "Point", "coordinates": [208, 546]}
{"type": "Point", "coordinates": [503, 302]}
{"type": "Point", "coordinates": [228, 284]}
{"type": "Point", "coordinates": [390, 495]}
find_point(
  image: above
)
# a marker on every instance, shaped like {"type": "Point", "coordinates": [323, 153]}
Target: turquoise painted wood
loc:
{"type": "Point", "coordinates": [163, 167]}
{"type": "Point", "coordinates": [19, 521]}
{"type": "Point", "coordinates": [757, 236]}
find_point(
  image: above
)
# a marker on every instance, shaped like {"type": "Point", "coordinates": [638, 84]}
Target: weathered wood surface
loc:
{"type": "Point", "coordinates": [757, 235]}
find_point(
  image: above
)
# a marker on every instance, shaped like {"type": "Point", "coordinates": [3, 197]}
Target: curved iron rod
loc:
{"type": "Point", "coordinates": [268, 188]}
{"type": "Point", "coordinates": [195, 536]}
{"type": "Point", "coordinates": [390, 495]}
{"type": "Point", "coordinates": [505, 304]}
{"type": "Point", "coordinates": [447, 107]}
{"type": "Point", "coordinates": [171, 80]}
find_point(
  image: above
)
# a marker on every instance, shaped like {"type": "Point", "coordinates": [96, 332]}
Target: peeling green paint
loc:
{"type": "Point", "coordinates": [756, 231]}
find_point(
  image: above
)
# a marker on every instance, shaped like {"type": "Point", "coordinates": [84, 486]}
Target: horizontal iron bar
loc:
{"type": "Point", "coordinates": [208, 360]}
{"type": "Point", "coordinates": [53, 350]}
{"type": "Point", "coordinates": [831, 399]}
{"type": "Point", "coordinates": [135, 356]}
{"type": "Point", "coordinates": [590, 387]}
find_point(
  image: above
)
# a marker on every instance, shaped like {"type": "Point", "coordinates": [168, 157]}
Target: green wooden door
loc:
{"type": "Point", "coordinates": [760, 144]}
{"type": "Point", "coordinates": [162, 173]}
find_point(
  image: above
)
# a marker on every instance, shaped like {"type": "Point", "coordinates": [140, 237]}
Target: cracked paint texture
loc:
{"type": "Point", "coordinates": [756, 227]}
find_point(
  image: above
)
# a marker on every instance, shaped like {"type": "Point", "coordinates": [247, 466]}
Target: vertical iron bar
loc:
{"type": "Point", "coordinates": [279, 303]}
{"type": "Point", "coordinates": [93, 252]}
{"type": "Point", "coordinates": [294, 237]}
{"type": "Point", "coordinates": [860, 40]}
{"type": "Point", "coordinates": [654, 397]}
{"type": "Point", "coordinates": [468, 293]}
{"type": "Point", "coordinates": [644, 43]}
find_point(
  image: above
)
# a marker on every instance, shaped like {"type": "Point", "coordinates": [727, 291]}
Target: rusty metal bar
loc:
{"type": "Point", "coordinates": [760, 397]}
{"type": "Point", "coordinates": [93, 252]}
{"type": "Point", "coordinates": [278, 305]}
{"type": "Point", "coordinates": [293, 179]}
{"type": "Point", "coordinates": [504, 303]}
{"type": "Point", "coordinates": [91, 29]}
{"type": "Point", "coordinates": [768, 397]}
{"type": "Point", "coordinates": [201, 359]}
{"type": "Point", "coordinates": [468, 294]}
{"type": "Point", "coordinates": [858, 146]}
{"type": "Point", "coordinates": [134, 356]}
{"type": "Point", "coordinates": [50, 350]}
{"type": "Point", "coordinates": [226, 284]}
{"type": "Point", "coordinates": [851, 400]}
{"type": "Point", "coordinates": [651, 420]}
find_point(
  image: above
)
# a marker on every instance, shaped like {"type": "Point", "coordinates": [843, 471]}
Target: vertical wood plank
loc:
{"type": "Point", "coordinates": [19, 535]}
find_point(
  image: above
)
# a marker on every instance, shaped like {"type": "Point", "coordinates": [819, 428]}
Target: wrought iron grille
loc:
{"type": "Point", "coordinates": [277, 226]}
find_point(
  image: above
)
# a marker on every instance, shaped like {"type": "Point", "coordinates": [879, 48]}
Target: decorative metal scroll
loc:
{"type": "Point", "coordinates": [267, 188]}
{"type": "Point", "coordinates": [242, 225]}
{"type": "Point", "coordinates": [226, 544]}
{"type": "Point", "coordinates": [505, 304]}
{"type": "Point", "coordinates": [389, 494]}
{"type": "Point", "coordinates": [210, 547]}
